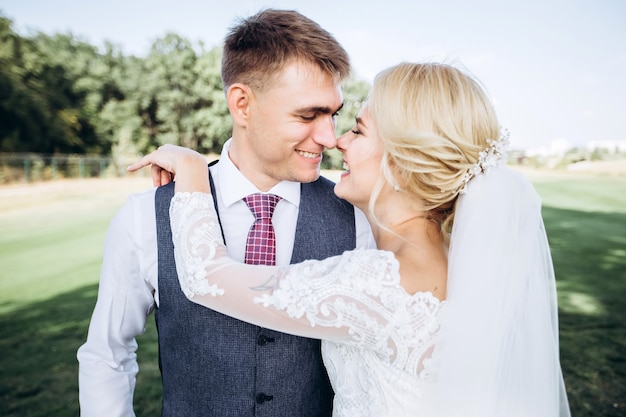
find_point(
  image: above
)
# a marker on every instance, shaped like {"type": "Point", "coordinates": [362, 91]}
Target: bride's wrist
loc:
{"type": "Point", "coordinates": [193, 176]}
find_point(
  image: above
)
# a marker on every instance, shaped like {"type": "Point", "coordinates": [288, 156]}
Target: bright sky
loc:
{"type": "Point", "coordinates": [555, 68]}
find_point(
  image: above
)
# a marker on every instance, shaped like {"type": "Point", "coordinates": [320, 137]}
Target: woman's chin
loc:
{"type": "Point", "coordinates": [338, 190]}
{"type": "Point", "coordinates": [342, 190]}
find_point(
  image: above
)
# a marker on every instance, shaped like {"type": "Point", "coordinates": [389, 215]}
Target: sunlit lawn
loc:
{"type": "Point", "coordinates": [51, 244]}
{"type": "Point", "coordinates": [586, 224]}
{"type": "Point", "coordinates": [51, 241]}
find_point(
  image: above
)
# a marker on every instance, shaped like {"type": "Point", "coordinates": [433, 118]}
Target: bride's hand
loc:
{"type": "Point", "coordinates": [170, 161]}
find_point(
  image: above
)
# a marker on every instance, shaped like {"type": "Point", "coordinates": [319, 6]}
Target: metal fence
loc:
{"type": "Point", "coordinates": [31, 167]}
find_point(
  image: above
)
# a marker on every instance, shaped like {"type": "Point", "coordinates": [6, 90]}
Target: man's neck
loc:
{"type": "Point", "coordinates": [248, 166]}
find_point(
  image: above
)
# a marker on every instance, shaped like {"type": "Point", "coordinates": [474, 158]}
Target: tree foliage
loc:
{"type": "Point", "coordinates": [60, 94]}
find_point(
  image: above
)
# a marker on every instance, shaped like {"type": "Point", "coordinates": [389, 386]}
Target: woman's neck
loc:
{"type": "Point", "coordinates": [416, 230]}
{"type": "Point", "coordinates": [417, 243]}
{"type": "Point", "coordinates": [397, 218]}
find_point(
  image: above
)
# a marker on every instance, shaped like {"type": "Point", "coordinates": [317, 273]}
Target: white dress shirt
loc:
{"type": "Point", "coordinates": [128, 290]}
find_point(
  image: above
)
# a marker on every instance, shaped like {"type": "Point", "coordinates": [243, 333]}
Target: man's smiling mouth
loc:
{"type": "Point", "coordinates": [309, 155]}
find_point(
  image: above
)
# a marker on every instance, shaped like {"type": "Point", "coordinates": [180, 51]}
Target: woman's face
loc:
{"type": "Point", "coordinates": [362, 154]}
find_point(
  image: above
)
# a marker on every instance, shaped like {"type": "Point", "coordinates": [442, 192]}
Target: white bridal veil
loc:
{"type": "Point", "coordinates": [499, 349]}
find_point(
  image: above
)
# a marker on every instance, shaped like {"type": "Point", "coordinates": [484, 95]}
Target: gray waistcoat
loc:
{"type": "Point", "coordinates": [214, 365]}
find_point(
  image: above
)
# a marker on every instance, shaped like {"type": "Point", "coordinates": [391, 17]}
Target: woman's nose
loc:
{"type": "Point", "coordinates": [343, 142]}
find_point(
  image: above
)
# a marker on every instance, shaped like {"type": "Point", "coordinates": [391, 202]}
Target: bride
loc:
{"type": "Point", "coordinates": [455, 313]}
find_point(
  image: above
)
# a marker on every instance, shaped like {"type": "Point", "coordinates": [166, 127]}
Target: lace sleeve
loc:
{"type": "Point", "coordinates": [354, 298]}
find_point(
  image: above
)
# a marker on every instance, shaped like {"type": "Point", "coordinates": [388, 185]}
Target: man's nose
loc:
{"type": "Point", "coordinates": [325, 133]}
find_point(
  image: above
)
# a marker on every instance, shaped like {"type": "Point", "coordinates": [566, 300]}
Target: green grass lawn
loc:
{"type": "Point", "coordinates": [51, 243]}
{"type": "Point", "coordinates": [586, 223]}
{"type": "Point", "coordinates": [51, 240]}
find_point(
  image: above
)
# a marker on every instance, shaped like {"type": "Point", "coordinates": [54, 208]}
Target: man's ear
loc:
{"type": "Point", "coordinates": [239, 97]}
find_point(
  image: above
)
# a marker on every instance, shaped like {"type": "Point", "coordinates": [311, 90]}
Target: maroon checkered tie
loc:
{"type": "Point", "coordinates": [261, 244]}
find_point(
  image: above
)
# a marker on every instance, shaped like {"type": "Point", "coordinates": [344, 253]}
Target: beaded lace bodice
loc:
{"type": "Point", "coordinates": [377, 338]}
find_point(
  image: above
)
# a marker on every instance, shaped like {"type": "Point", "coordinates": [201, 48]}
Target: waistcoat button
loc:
{"type": "Point", "coordinates": [261, 398]}
{"type": "Point", "coordinates": [264, 340]}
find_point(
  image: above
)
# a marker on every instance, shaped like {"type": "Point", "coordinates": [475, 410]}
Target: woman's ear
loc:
{"type": "Point", "coordinates": [238, 97]}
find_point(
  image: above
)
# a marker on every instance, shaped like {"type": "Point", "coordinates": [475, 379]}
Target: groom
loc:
{"type": "Point", "coordinates": [282, 74]}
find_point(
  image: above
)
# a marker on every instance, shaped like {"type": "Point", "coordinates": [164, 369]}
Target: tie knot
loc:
{"type": "Point", "coordinates": [262, 205]}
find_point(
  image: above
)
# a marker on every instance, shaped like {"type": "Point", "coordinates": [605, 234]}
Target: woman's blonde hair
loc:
{"type": "Point", "coordinates": [433, 120]}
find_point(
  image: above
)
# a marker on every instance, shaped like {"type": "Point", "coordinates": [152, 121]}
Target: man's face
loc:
{"type": "Point", "coordinates": [290, 124]}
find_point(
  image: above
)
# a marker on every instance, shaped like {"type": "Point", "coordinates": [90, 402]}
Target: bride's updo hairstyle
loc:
{"type": "Point", "coordinates": [433, 120]}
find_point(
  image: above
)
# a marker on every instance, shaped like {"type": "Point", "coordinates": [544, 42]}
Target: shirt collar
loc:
{"type": "Point", "coordinates": [234, 186]}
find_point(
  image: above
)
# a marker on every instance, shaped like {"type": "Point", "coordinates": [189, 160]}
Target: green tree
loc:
{"type": "Point", "coordinates": [59, 94]}
{"type": "Point", "coordinates": [123, 123]}
{"type": "Point", "coordinates": [24, 116]}
{"type": "Point", "coordinates": [181, 96]}
{"type": "Point", "coordinates": [69, 72]}
{"type": "Point", "coordinates": [211, 116]}
{"type": "Point", "coordinates": [46, 85]}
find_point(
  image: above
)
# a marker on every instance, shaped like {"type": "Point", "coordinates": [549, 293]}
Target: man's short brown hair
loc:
{"type": "Point", "coordinates": [260, 46]}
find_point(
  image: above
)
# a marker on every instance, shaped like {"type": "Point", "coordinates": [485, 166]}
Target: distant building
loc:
{"type": "Point", "coordinates": [613, 146]}
{"type": "Point", "coordinates": [557, 147]}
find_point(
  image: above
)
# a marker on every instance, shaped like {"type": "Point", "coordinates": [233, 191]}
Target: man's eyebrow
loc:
{"type": "Point", "coordinates": [320, 109]}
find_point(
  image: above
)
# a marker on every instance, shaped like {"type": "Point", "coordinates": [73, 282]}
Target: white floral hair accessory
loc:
{"type": "Point", "coordinates": [487, 159]}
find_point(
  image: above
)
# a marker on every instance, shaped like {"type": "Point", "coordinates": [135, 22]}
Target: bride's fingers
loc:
{"type": "Point", "coordinates": [165, 161]}
{"type": "Point", "coordinates": [155, 173]}
{"type": "Point", "coordinates": [139, 164]}
{"type": "Point", "coordinates": [166, 177]}
{"type": "Point", "coordinates": [160, 176]}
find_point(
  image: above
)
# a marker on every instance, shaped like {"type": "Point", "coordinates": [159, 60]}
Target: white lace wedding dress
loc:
{"type": "Point", "coordinates": [377, 340]}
